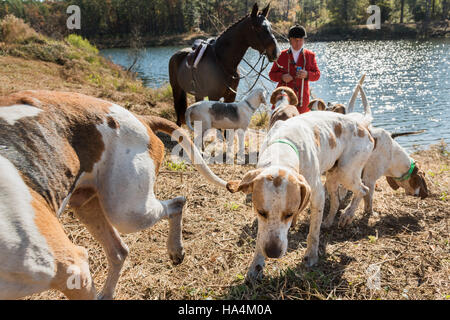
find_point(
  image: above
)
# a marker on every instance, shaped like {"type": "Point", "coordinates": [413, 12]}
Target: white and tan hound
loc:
{"type": "Point", "coordinates": [285, 101]}
{"type": "Point", "coordinates": [59, 148]}
{"type": "Point", "coordinates": [294, 154]}
{"type": "Point", "coordinates": [388, 159]}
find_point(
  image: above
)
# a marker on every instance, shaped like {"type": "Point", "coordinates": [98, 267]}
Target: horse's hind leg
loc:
{"type": "Point", "coordinates": [180, 103]}
{"type": "Point", "coordinates": [179, 95]}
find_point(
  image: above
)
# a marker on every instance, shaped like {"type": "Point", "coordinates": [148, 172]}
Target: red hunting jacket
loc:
{"type": "Point", "coordinates": [286, 60]}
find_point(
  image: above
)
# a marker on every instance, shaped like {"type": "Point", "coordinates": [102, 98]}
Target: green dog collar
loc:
{"type": "Point", "coordinates": [288, 143]}
{"type": "Point", "coordinates": [407, 175]}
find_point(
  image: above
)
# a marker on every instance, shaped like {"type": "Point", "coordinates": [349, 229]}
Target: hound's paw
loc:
{"type": "Point", "coordinates": [177, 257]}
{"type": "Point", "coordinates": [104, 296]}
{"type": "Point", "coordinates": [327, 223]}
{"type": "Point", "coordinates": [345, 220]}
{"type": "Point", "coordinates": [310, 260]}
{"type": "Point", "coordinates": [255, 274]}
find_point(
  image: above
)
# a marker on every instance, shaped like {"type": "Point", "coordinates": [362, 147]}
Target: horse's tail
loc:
{"type": "Point", "coordinates": [178, 134]}
{"type": "Point", "coordinates": [188, 118]}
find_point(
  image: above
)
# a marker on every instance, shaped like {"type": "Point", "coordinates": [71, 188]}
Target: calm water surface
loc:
{"type": "Point", "coordinates": [407, 82]}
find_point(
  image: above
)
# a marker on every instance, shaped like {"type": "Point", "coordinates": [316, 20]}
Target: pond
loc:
{"type": "Point", "coordinates": [407, 82]}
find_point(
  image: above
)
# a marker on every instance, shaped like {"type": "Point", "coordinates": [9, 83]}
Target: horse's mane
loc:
{"type": "Point", "coordinates": [232, 26]}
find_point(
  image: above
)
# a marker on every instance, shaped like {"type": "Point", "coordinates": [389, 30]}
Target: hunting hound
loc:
{"type": "Point", "coordinates": [220, 115]}
{"type": "Point", "coordinates": [319, 104]}
{"type": "Point", "coordinates": [285, 100]}
{"type": "Point", "coordinates": [388, 159]}
{"type": "Point", "coordinates": [294, 154]}
{"type": "Point", "coordinates": [59, 148]}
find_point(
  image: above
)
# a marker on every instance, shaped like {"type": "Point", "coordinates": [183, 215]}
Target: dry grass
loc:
{"type": "Point", "coordinates": [15, 30]}
{"type": "Point", "coordinates": [409, 241]}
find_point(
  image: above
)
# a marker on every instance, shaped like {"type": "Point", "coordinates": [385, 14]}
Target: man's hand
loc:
{"type": "Point", "coordinates": [302, 74]}
{"type": "Point", "coordinates": [287, 78]}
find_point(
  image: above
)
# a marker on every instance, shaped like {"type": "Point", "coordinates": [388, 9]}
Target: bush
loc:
{"type": "Point", "coordinates": [15, 30]}
{"type": "Point", "coordinates": [81, 43]}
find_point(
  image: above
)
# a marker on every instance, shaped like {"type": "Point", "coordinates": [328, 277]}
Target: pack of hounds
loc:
{"type": "Point", "coordinates": [60, 149]}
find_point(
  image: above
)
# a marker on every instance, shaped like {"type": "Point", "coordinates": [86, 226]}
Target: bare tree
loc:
{"type": "Point", "coordinates": [136, 51]}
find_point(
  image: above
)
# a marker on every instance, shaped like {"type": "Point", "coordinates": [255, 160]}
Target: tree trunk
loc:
{"type": "Point", "coordinates": [401, 11]}
{"type": "Point", "coordinates": [345, 11]}
{"type": "Point", "coordinates": [287, 10]}
{"type": "Point", "coordinates": [444, 9]}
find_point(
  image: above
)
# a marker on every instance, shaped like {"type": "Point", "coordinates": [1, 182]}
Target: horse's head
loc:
{"type": "Point", "coordinates": [260, 36]}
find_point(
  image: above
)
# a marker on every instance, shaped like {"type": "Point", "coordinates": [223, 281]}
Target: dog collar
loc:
{"type": "Point", "coordinates": [249, 105]}
{"type": "Point", "coordinates": [288, 143]}
{"type": "Point", "coordinates": [407, 175]}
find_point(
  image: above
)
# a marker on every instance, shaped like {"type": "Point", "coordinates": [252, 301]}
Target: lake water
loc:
{"type": "Point", "coordinates": [407, 82]}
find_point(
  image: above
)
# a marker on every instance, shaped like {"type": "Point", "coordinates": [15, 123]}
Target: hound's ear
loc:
{"type": "Point", "coordinates": [265, 10]}
{"type": "Point", "coordinates": [418, 180]}
{"type": "Point", "coordinates": [292, 97]}
{"type": "Point", "coordinates": [254, 11]}
{"type": "Point", "coordinates": [274, 95]}
{"type": "Point", "coordinates": [246, 184]}
{"type": "Point", "coordinates": [321, 105]}
{"type": "Point", "coordinates": [392, 183]}
{"type": "Point", "coordinates": [305, 195]}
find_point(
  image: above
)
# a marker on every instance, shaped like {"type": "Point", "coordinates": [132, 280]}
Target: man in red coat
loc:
{"type": "Point", "coordinates": [295, 67]}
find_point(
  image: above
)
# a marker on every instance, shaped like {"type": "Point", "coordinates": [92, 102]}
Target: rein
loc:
{"type": "Point", "coordinates": [236, 76]}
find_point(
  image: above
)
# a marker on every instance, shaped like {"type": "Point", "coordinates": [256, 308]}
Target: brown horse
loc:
{"type": "Point", "coordinates": [216, 75]}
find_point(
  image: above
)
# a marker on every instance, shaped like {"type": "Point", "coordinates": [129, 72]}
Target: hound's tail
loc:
{"type": "Point", "coordinates": [178, 134]}
{"type": "Point", "coordinates": [187, 116]}
{"type": "Point", "coordinates": [367, 110]}
{"type": "Point", "coordinates": [399, 134]}
{"type": "Point", "coordinates": [351, 102]}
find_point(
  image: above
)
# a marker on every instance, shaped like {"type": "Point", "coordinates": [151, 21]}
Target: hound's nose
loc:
{"type": "Point", "coordinates": [273, 249]}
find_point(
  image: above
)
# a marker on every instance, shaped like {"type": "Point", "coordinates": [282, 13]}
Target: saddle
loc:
{"type": "Point", "coordinates": [199, 47]}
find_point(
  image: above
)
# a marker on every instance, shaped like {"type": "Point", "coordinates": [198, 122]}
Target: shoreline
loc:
{"type": "Point", "coordinates": [404, 31]}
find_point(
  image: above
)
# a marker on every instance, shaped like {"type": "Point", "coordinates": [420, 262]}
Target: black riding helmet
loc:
{"type": "Point", "coordinates": [297, 32]}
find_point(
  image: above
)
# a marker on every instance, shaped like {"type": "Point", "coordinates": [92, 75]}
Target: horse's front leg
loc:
{"type": "Point", "coordinates": [230, 95]}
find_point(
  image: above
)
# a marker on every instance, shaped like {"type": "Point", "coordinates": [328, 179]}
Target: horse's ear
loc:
{"type": "Point", "coordinates": [265, 10]}
{"type": "Point", "coordinates": [254, 10]}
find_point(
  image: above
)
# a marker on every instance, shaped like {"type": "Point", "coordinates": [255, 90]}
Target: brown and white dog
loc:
{"type": "Point", "coordinates": [294, 154]}
{"type": "Point", "coordinates": [59, 148]}
{"type": "Point", "coordinates": [285, 100]}
{"type": "Point", "coordinates": [388, 159]}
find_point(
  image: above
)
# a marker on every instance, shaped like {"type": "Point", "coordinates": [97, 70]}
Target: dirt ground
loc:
{"type": "Point", "coordinates": [407, 246]}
